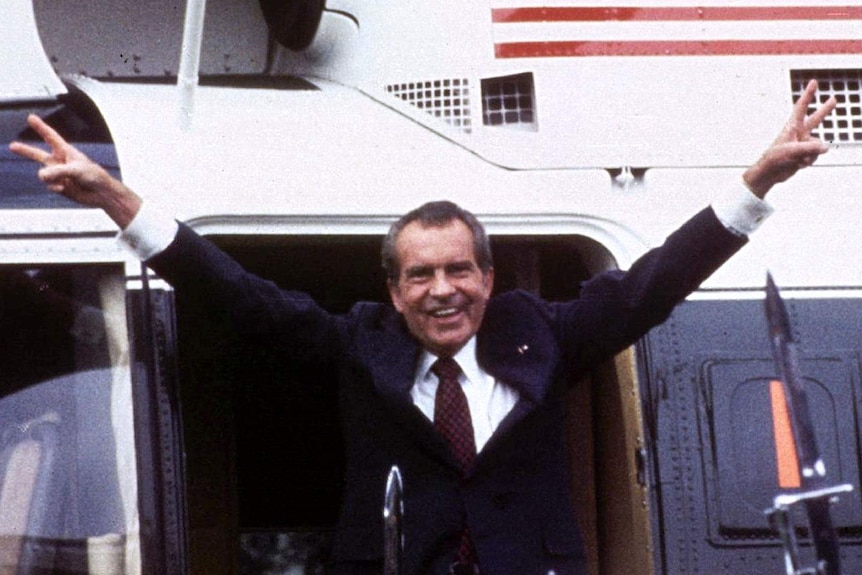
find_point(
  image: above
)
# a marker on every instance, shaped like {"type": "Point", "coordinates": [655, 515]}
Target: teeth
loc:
{"type": "Point", "coordinates": [445, 312]}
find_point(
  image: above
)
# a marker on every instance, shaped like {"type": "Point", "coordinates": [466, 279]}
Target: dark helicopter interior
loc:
{"type": "Point", "coordinates": [262, 439]}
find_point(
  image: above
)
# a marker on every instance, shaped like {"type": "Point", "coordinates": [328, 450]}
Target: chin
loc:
{"type": "Point", "coordinates": [449, 347]}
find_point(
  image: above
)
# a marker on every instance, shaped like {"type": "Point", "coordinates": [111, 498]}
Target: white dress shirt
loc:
{"type": "Point", "coordinates": [489, 400]}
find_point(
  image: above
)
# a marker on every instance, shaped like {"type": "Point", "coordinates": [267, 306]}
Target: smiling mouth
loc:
{"type": "Point", "coordinates": [446, 312]}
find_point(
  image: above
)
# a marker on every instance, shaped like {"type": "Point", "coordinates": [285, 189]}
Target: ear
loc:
{"type": "Point", "coordinates": [488, 280]}
{"type": "Point", "coordinates": [395, 295]}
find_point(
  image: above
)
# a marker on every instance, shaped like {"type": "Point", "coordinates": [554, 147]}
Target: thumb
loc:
{"type": "Point", "coordinates": [85, 175]}
{"type": "Point", "coordinates": [55, 173]}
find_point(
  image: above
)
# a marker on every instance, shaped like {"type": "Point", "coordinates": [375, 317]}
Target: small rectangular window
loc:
{"type": "Point", "coordinates": [509, 102]}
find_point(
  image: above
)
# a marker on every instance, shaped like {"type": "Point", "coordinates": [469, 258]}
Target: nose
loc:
{"type": "Point", "coordinates": [441, 287]}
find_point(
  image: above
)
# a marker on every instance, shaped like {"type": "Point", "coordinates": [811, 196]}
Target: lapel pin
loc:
{"type": "Point", "coordinates": [522, 349]}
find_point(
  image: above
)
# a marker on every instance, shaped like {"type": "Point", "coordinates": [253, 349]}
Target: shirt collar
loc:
{"type": "Point", "coordinates": [466, 358]}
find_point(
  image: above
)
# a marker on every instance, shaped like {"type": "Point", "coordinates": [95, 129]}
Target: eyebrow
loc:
{"type": "Point", "coordinates": [460, 266]}
{"type": "Point", "coordinates": [456, 266]}
{"type": "Point", "coordinates": [418, 271]}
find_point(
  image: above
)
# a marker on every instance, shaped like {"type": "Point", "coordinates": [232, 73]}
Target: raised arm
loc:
{"type": "Point", "coordinates": [69, 172]}
{"type": "Point", "coordinates": [794, 148]}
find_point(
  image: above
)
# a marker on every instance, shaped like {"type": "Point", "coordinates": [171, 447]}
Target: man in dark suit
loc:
{"type": "Point", "coordinates": [464, 392]}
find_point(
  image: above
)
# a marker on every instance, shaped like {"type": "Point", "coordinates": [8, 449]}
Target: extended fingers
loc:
{"type": "Point", "coordinates": [800, 109]}
{"type": "Point", "coordinates": [49, 135]}
{"type": "Point", "coordinates": [800, 122]}
{"type": "Point", "coordinates": [46, 132]}
{"type": "Point", "coordinates": [30, 152]}
{"type": "Point", "coordinates": [820, 113]}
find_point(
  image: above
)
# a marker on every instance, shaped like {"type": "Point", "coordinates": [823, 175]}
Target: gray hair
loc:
{"type": "Point", "coordinates": [435, 214]}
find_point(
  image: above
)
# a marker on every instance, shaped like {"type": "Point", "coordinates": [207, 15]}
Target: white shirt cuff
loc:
{"type": "Point", "coordinates": [149, 233]}
{"type": "Point", "coordinates": [740, 211]}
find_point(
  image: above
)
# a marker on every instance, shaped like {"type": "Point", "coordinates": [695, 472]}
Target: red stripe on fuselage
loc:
{"type": "Point", "coordinates": [676, 14]}
{"type": "Point", "coordinates": [675, 48]}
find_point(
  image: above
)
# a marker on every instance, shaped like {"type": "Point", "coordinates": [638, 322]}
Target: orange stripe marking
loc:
{"type": "Point", "coordinates": [785, 446]}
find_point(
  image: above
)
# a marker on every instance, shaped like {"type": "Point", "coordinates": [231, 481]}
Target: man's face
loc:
{"type": "Point", "coordinates": [441, 292]}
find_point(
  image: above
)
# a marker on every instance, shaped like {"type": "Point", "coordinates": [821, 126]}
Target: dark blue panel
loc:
{"type": "Point", "coordinates": [20, 187]}
{"type": "Point", "coordinates": [712, 464]}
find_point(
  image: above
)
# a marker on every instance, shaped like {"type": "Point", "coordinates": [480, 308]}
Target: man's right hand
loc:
{"type": "Point", "coordinates": [67, 171]}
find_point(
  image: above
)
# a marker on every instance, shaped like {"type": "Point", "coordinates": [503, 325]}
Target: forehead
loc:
{"type": "Point", "coordinates": [418, 244]}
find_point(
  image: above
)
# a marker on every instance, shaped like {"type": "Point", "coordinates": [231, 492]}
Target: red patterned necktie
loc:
{"type": "Point", "coordinates": [452, 420]}
{"type": "Point", "coordinates": [451, 413]}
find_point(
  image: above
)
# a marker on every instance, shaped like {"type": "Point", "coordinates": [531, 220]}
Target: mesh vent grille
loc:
{"type": "Point", "coordinates": [446, 99]}
{"type": "Point", "coordinates": [509, 101]}
{"type": "Point", "coordinates": [844, 125]}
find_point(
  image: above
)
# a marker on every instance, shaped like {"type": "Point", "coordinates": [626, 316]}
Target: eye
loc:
{"type": "Point", "coordinates": [460, 269]}
{"type": "Point", "coordinates": [418, 275]}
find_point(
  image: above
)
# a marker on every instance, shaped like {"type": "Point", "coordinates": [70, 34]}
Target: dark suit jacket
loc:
{"type": "Point", "coordinates": [516, 498]}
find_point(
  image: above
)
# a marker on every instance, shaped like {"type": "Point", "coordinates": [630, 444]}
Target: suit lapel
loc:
{"type": "Point", "coordinates": [392, 354]}
{"type": "Point", "coordinates": [391, 357]}
{"type": "Point", "coordinates": [517, 347]}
